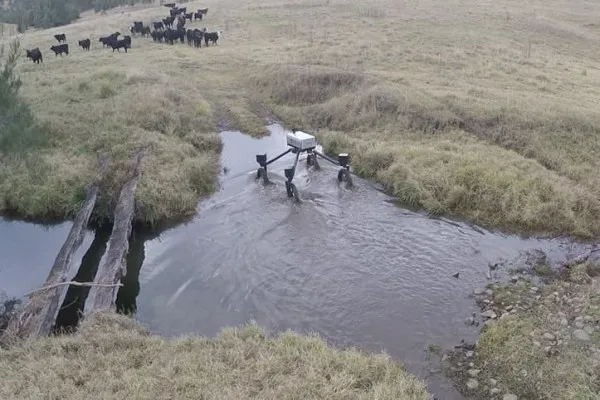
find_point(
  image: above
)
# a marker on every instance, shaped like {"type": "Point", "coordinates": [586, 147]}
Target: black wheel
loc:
{"type": "Point", "coordinates": [344, 176]}
{"type": "Point", "coordinates": [309, 159]}
{"type": "Point", "coordinates": [295, 193]}
{"type": "Point", "coordinates": [349, 182]}
{"type": "Point", "coordinates": [261, 173]}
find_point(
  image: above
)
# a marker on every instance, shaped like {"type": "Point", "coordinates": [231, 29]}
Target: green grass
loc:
{"type": "Point", "coordinates": [481, 111]}
{"type": "Point", "coordinates": [111, 357]}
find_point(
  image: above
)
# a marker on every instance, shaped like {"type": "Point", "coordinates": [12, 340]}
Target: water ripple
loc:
{"type": "Point", "coordinates": [345, 263]}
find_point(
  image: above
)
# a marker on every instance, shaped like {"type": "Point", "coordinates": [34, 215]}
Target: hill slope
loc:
{"type": "Point", "coordinates": [478, 109]}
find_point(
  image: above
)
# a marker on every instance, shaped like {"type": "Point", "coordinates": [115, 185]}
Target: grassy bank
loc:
{"type": "Point", "coordinates": [481, 110]}
{"type": "Point", "coordinates": [99, 102]}
{"type": "Point", "coordinates": [112, 357]}
{"type": "Point", "coordinates": [477, 109]}
{"type": "Point", "coordinates": [545, 344]}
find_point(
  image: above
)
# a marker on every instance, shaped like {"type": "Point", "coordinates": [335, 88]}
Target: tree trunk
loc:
{"type": "Point", "coordinates": [39, 314]}
{"type": "Point", "coordinates": [113, 268]}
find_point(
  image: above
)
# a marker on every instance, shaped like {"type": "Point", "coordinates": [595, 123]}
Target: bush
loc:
{"type": "Point", "coordinates": [18, 130]}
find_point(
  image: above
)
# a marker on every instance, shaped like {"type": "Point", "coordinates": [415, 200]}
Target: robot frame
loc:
{"type": "Point", "coordinates": [300, 142]}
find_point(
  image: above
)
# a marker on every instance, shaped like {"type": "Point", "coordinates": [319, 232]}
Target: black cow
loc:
{"type": "Point", "coordinates": [107, 39]}
{"type": "Point", "coordinates": [182, 10]}
{"type": "Point", "coordinates": [168, 21]}
{"type": "Point", "coordinates": [188, 16]}
{"type": "Point", "coordinates": [158, 26]}
{"type": "Point", "coordinates": [35, 55]}
{"type": "Point", "coordinates": [197, 15]}
{"type": "Point", "coordinates": [180, 21]}
{"type": "Point", "coordinates": [146, 31]}
{"type": "Point", "coordinates": [158, 36]}
{"type": "Point", "coordinates": [85, 44]}
{"type": "Point", "coordinates": [119, 44]}
{"type": "Point", "coordinates": [60, 49]}
{"type": "Point", "coordinates": [198, 35]}
{"type": "Point", "coordinates": [212, 37]}
{"type": "Point", "coordinates": [138, 27]}
{"type": "Point", "coordinates": [171, 35]}
{"type": "Point", "coordinates": [127, 40]}
{"type": "Point", "coordinates": [189, 36]}
{"type": "Point", "coordinates": [174, 12]}
{"type": "Point", "coordinates": [169, 5]}
{"type": "Point", "coordinates": [61, 37]}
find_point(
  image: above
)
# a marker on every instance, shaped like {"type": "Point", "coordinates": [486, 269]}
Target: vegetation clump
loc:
{"type": "Point", "coordinates": [112, 357]}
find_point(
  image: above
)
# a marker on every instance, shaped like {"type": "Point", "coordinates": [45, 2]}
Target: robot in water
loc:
{"type": "Point", "coordinates": [300, 142]}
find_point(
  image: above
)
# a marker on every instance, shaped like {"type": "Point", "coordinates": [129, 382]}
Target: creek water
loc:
{"type": "Point", "coordinates": [345, 263]}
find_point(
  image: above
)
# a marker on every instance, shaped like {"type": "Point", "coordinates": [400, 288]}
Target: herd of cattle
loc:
{"type": "Point", "coordinates": [162, 31]}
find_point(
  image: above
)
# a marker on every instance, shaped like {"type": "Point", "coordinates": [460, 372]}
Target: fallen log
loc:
{"type": "Point", "coordinates": [74, 283]}
{"type": "Point", "coordinates": [39, 314]}
{"type": "Point", "coordinates": [103, 294]}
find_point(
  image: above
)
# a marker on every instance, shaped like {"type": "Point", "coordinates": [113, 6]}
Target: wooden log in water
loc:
{"type": "Point", "coordinates": [39, 314]}
{"type": "Point", "coordinates": [102, 296]}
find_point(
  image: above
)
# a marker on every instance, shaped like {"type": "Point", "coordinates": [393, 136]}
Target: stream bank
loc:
{"type": "Point", "coordinates": [347, 264]}
{"type": "Point", "coordinates": [540, 337]}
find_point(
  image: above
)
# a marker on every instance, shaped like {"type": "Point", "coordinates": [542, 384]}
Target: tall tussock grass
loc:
{"type": "Point", "coordinates": [306, 85]}
{"type": "Point", "coordinates": [239, 363]}
{"type": "Point", "coordinates": [463, 177]}
{"type": "Point", "coordinates": [497, 166]}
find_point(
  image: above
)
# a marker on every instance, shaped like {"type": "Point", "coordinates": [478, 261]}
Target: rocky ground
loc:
{"type": "Point", "coordinates": [540, 335]}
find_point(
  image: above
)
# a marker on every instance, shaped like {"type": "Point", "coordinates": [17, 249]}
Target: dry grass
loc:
{"type": "Point", "coordinates": [111, 357]}
{"type": "Point", "coordinates": [515, 352]}
{"type": "Point", "coordinates": [479, 109]}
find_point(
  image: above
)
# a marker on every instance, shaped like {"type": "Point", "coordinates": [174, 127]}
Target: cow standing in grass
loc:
{"type": "Point", "coordinates": [107, 39]}
{"type": "Point", "coordinates": [35, 55]}
{"type": "Point", "coordinates": [119, 44]}
{"type": "Point", "coordinates": [85, 44]}
{"type": "Point", "coordinates": [60, 49]}
{"type": "Point", "coordinates": [61, 37]}
{"type": "Point", "coordinates": [168, 22]}
{"type": "Point", "coordinates": [198, 35]}
{"type": "Point", "coordinates": [138, 27]}
{"type": "Point", "coordinates": [212, 37]}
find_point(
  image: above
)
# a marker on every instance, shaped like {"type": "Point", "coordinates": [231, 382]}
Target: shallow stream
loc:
{"type": "Point", "coordinates": [346, 263]}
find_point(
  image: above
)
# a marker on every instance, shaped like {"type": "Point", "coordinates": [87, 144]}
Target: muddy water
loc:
{"type": "Point", "coordinates": [27, 252]}
{"type": "Point", "coordinates": [345, 263]}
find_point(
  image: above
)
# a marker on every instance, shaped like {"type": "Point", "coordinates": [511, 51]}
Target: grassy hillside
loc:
{"type": "Point", "coordinates": [111, 357]}
{"type": "Point", "coordinates": [479, 109]}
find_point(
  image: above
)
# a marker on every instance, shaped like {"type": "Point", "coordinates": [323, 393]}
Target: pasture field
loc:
{"type": "Point", "coordinates": [483, 110]}
{"type": "Point", "coordinates": [113, 357]}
